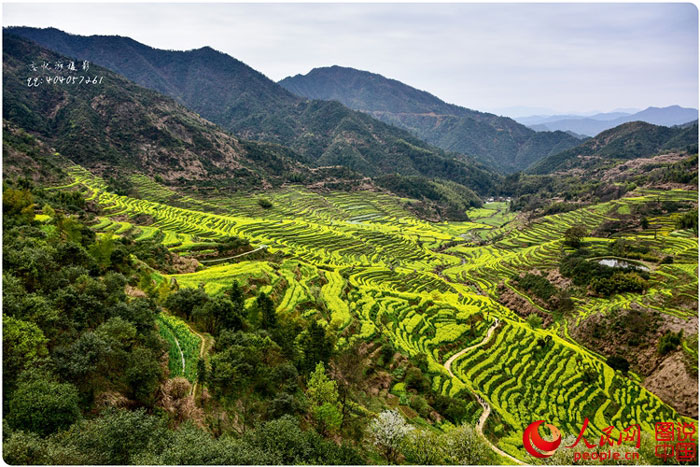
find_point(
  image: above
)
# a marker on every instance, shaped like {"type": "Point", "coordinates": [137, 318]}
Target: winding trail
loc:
{"type": "Point", "coordinates": [485, 405]}
{"type": "Point", "coordinates": [448, 363]}
{"type": "Point", "coordinates": [261, 247]}
{"type": "Point", "coordinates": [182, 355]}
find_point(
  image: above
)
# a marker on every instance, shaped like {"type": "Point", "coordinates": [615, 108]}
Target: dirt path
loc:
{"type": "Point", "coordinates": [182, 355]}
{"type": "Point", "coordinates": [485, 405]}
{"type": "Point", "coordinates": [448, 363]}
{"type": "Point", "coordinates": [261, 247]}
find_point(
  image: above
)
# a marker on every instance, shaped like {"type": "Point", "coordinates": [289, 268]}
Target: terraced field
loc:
{"type": "Point", "coordinates": [365, 266]}
{"type": "Point", "coordinates": [184, 346]}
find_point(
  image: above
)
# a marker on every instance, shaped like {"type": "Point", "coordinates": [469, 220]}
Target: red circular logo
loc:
{"type": "Point", "coordinates": [532, 440]}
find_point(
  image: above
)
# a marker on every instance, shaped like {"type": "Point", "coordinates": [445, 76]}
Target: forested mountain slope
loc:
{"type": "Point", "coordinates": [115, 123]}
{"type": "Point", "coordinates": [500, 141]}
{"type": "Point", "coordinates": [627, 141]}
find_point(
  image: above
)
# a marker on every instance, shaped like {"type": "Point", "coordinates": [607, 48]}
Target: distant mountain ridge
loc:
{"type": "Point", "coordinates": [627, 141]}
{"type": "Point", "coordinates": [500, 141]}
{"type": "Point", "coordinates": [541, 119]}
{"type": "Point", "coordinates": [594, 124]}
{"type": "Point", "coordinates": [239, 99]}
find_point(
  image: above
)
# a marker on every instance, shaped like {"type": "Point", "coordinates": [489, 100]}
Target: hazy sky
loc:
{"type": "Point", "coordinates": [492, 57]}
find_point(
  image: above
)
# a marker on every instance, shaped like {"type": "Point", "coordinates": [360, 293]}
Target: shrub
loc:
{"type": "Point", "coordinates": [689, 220]}
{"type": "Point", "coordinates": [618, 363]}
{"type": "Point", "coordinates": [534, 321]}
{"type": "Point", "coordinates": [619, 282]}
{"type": "Point", "coordinates": [669, 342]}
{"type": "Point", "coordinates": [264, 203]}
{"type": "Point", "coordinates": [416, 380]}
{"type": "Point", "coordinates": [419, 404]}
{"type": "Point", "coordinates": [43, 406]}
{"type": "Point", "coordinates": [537, 285]}
{"type": "Point", "coordinates": [451, 408]}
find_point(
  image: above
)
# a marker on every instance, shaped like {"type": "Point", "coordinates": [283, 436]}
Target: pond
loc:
{"type": "Point", "coordinates": [617, 263]}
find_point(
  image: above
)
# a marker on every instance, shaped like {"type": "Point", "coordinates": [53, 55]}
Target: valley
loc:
{"type": "Point", "coordinates": [367, 269]}
{"type": "Point", "coordinates": [204, 266]}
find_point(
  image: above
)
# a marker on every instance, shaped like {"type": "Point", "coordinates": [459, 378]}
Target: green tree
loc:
{"type": "Point", "coordinates": [24, 448]}
{"type": "Point", "coordinates": [267, 311]}
{"type": "Point", "coordinates": [143, 375]}
{"type": "Point", "coordinates": [23, 344]}
{"type": "Point", "coordinates": [454, 409]}
{"type": "Point", "coordinates": [315, 347]}
{"type": "Point", "coordinates": [415, 380]}
{"type": "Point", "coordinates": [83, 359]}
{"type": "Point", "coordinates": [291, 445]}
{"type": "Point", "coordinates": [190, 445]}
{"type": "Point", "coordinates": [201, 370]}
{"type": "Point", "coordinates": [18, 203]}
{"type": "Point", "coordinates": [102, 250]}
{"type": "Point", "coordinates": [116, 436]}
{"type": "Point", "coordinates": [573, 236]}
{"type": "Point", "coordinates": [323, 394]}
{"type": "Point", "coordinates": [328, 417]}
{"type": "Point", "coordinates": [235, 293]}
{"type": "Point", "coordinates": [119, 332]}
{"type": "Point", "coordinates": [321, 388]}
{"type": "Point", "coordinates": [689, 220]}
{"type": "Point", "coordinates": [242, 363]}
{"type": "Point", "coordinates": [534, 320]}
{"type": "Point", "coordinates": [185, 301]}
{"type": "Point", "coordinates": [69, 228]}
{"type": "Point", "coordinates": [218, 314]}
{"type": "Point", "coordinates": [43, 406]}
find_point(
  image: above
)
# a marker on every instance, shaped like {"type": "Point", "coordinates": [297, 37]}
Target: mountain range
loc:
{"type": "Point", "coordinates": [500, 141]}
{"type": "Point", "coordinates": [118, 125]}
{"type": "Point", "coordinates": [594, 124]}
{"type": "Point", "coordinates": [203, 115]}
{"type": "Point", "coordinates": [243, 101]}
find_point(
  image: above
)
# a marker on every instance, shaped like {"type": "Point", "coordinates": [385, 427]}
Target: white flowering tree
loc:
{"type": "Point", "coordinates": [388, 431]}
